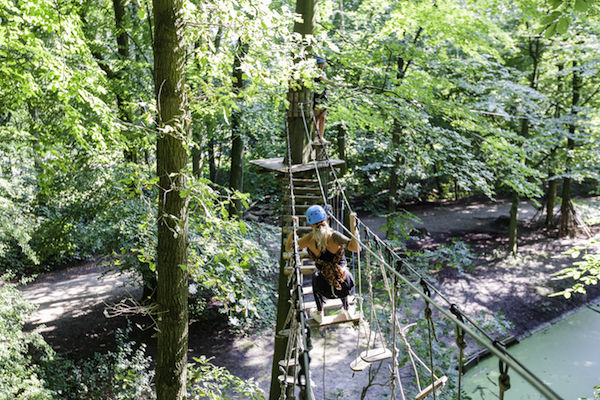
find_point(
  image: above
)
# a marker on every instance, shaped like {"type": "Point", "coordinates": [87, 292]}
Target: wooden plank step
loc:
{"type": "Point", "coordinates": [291, 362]}
{"type": "Point", "coordinates": [305, 269]}
{"type": "Point", "coordinates": [305, 180]}
{"type": "Point", "coordinates": [329, 303]}
{"type": "Point", "coordinates": [306, 290]}
{"type": "Point", "coordinates": [438, 384]}
{"type": "Point", "coordinates": [302, 230]}
{"type": "Point", "coordinates": [304, 189]}
{"type": "Point", "coordinates": [304, 197]}
{"type": "Point", "coordinates": [290, 380]}
{"type": "Point", "coordinates": [289, 254]}
{"type": "Point", "coordinates": [288, 217]}
{"type": "Point", "coordinates": [334, 320]}
{"type": "Point", "coordinates": [359, 365]}
{"type": "Point", "coordinates": [377, 354]}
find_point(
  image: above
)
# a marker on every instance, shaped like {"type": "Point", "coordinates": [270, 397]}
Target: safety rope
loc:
{"type": "Point", "coordinates": [461, 344]}
{"type": "Point", "coordinates": [431, 332]}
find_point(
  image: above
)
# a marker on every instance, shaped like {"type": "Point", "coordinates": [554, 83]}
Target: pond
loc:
{"type": "Point", "coordinates": [565, 356]}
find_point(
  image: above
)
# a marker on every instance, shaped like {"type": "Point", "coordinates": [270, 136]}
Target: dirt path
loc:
{"type": "Point", "coordinates": [71, 302]}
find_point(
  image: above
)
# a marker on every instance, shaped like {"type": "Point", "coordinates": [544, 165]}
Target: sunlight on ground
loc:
{"type": "Point", "coordinates": [74, 297]}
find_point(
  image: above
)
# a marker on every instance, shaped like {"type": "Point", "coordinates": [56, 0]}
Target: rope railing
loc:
{"type": "Point", "coordinates": [453, 314]}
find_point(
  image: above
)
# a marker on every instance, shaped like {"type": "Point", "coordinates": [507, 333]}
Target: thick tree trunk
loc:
{"type": "Point", "coordinates": [512, 225]}
{"type": "Point", "coordinates": [236, 171]}
{"type": "Point", "coordinates": [171, 162]}
{"type": "Point", "coordinates": [299, 149]}
{"type": "Point", "coordinates": [567, 227]}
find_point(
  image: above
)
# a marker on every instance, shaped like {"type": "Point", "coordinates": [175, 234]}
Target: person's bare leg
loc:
{"type": "Point", "coordinates": [321, 125]}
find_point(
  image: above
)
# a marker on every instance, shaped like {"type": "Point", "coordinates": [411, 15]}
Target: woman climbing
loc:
{"type": "Point", "coordinates": [326, 247]}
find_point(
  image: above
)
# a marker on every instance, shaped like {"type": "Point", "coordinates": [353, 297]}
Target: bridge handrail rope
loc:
{"type": "Point", "coordinates": [492, 345]}
{"type": "Point", "coordinates": [305, 361]}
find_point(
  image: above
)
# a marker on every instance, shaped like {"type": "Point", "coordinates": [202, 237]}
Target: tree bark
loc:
{"type": "Point", "coordinates": [551, 195]}
{"type": "Point", "coordinates": [550, 202]}
{"type": "Point", "coordinates": [130, 152]}
{"type": "Point", "coordinates": [393, 184]}
{"type": "Point", "coordinates": [341, 144]}
{"type": "Point", "coordinates": [512, 225]}
{"type": "Point", "coordinates": [171, 162]}
{"type": "Point", "coordinates": [236, 171]}
{"type": "Point", "coordinates": [567, 227]}
{"type": "Point", "coordinates": [212, 167]}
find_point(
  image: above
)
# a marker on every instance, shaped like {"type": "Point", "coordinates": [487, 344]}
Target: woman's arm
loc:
{"type": "Point", "coordinates": [302, 242]}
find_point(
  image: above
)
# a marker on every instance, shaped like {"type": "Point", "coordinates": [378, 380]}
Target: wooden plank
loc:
{"type": "Point", "coordinates": [287, 378]}
{"type": "Point", "coordinates": [277, 165]}
{"type": "Point", "coordinates": [329, 303]}
{"type": "Point", "coordinates": [305, 197]}
{"type": "Point", "coordinates": [334, 320]}
{"type": "Point", "coordinates": [290, 254]}
{"type": "Point", "coordinates": [438, 384]}
{"type": "Point", "coordinates": [305, 269]}
{"type": "Point", "coordinates": [302, 230]}
{"type": "Point", "coordinates": [377, 354]}
{"type": "Point", "coordinates": [291, 362]}
{"type": "Point", "coordinates": [359, 365]}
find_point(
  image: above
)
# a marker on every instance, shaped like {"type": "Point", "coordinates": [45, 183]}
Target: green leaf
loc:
{"type": "Point", "coordinates": [581, 5]}
{"type": "Point", "coordinates": [563, 25]}
{"type": "Point", "coordinates": [550, 31]}
{"type": "Point", "coordinates": [555, 3]}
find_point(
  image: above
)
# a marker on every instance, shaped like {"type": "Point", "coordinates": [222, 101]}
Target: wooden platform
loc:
{"type": "Point", "coordinates": [277, 165]}
{"type": "Point", "coordinates": [334, 319]}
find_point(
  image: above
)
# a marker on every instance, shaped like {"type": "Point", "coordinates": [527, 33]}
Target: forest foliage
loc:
{"type": "Point", "coordinates": [467, 98]}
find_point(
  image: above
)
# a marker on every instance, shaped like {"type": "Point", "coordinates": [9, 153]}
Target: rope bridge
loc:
{"type": "Point", "coordinates": [386, 274]}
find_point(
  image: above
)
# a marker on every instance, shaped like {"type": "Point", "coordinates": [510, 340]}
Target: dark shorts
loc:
{"type": "Point", "coordinates": [322, 289]}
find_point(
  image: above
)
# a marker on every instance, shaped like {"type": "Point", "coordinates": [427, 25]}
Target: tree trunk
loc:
{"type": "Point", "coordinates": [212, 167]}
{"type": "Point", "coordinates": [567, 227]}
{"type": "Point", "coordinates": [393, 184]}
{"type": "Point", "coordinates": [299, 148]}
{"type": "Point", "coordinates": [130, 152]}
{"type": "Point", "coordinates": [341, 144]}
{"type": "Point", "coordinates": [171, 162]}
{"type": "Point", "coordinates": [551, 195]}
{"type": "Point", "coordinates": [197, 154]}
{"type": "Point", "coordinates": [236, 171]}
{"type": "Point", "coordinates": [550, 202]}
{"type": "Point", "coordinates": [512, 226]}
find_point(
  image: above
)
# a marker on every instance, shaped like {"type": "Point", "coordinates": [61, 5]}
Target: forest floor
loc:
{"type": "Point", "coordinates": [72, 302]}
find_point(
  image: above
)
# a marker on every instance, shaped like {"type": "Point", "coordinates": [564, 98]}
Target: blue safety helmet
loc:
{"type": "Point", "coordinates": [315, 214]}
{"type": "Point", "coordinates": [320, 60]}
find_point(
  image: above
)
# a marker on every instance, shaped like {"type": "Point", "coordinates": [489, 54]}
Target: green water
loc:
{"type": "Point", "coordinates": [565, 356]}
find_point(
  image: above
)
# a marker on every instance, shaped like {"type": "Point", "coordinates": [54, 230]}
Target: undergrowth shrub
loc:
{"type": "Point", "coordinates": [209, 382]}
{"type": "Point", "coordinates": [122, 374]}
{"type": "Point", "coordinates": [20, 377]}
